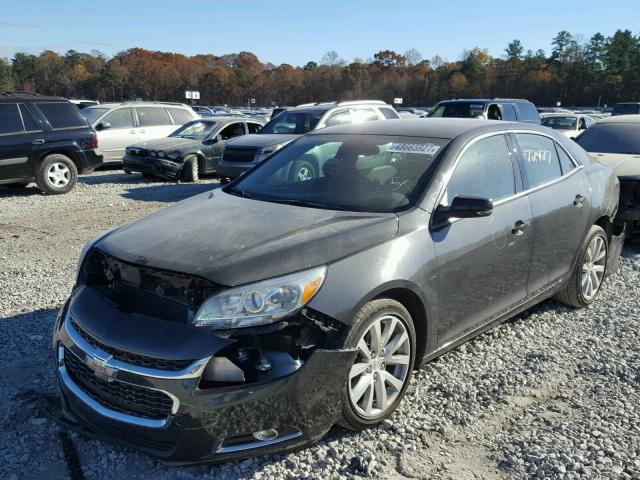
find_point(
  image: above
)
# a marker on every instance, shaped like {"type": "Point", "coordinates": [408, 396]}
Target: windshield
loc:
{"type": "Point", "coordinates": [293, 122]}
{"type": "Point", "coordinates": [93, 113]}
{"type": "Point", "coordinates": [365, 173]}
{"type": "Point", "coordinates": [459, 110]}
{"type": "Point", "coordinates": [611, 138]}
{"type": "Point", "coordinates": [560, 123]}
{"type": "Point", "coordinates": [197, 129]}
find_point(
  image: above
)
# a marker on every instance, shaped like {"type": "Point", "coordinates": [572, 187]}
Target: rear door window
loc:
{"type": "Point", "coordinates": [120, 118]}
{"type": "Point", "coordinates": [527, 112]}
{"type": "Point", "coordinates": [181, 115]}
{"type": "Point", "coordinates": [540, 161]}
{"type": "Point", "coordinates": [339, 118]}
{"type": "Point", "coordinates": [152, 116]}
{"type": "Point", "coordinates": [10, 121]}
{"type": "Point", "coordinates": [30, 123]}
{"type": "Point", "coordinates": [508, 112]}
{"type": "Point", "coordinates": [363, 115]}
{"type": "Point", "coordinates": [62, 114]}
{"type": "Point", "coordinates": [233, 130]}
{"type": "Point", "coordinates": [253, 127]}
{"type": "Point", "coordinates": [389, 113]}
{"type": "Point", "coordinates": [565, 161]}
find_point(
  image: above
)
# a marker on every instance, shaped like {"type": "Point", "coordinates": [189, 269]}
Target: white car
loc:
{"type": "Point", "coordinates": [122, 124]}
{"type": "Point", "coordinates": [569, 124]}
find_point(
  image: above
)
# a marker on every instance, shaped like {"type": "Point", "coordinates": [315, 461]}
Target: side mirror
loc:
{"type": "Point", "coordinates": [462, 206]}
{"type": "Point", "coordinates": [210, 141]}
{"type": "Point", "coordinates": [103, 126]}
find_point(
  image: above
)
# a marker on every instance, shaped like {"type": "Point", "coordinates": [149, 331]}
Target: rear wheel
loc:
{"type": "Point", "coordinates": [589, 272]}
{"type": "Point", "coordinates": [384, 338]}
{"type": "Point", "coordinates": [57, 174]}
{"type": "Point", "coordinates": [190, 171]}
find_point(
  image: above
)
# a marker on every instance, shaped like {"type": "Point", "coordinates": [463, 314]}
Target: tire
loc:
{"type": "Point", "coordinates": [190, 170]}
{"type": "Point", "coordinates": [360, 412]}
{"type": "Point", "coordinates": [576, 292]}
{"type": "Point", "coordinates": [56, 174]}
{"type": "Point", "coordinates": [303, 170]}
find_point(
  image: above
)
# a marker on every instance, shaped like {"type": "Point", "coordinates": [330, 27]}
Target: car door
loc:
{"type": "Point", "coordinates": [153, 122]}
{"type": "Point", "coordinates": [116, 131]}
{"type": "Point", "coordinates": [559, 195]}
{"type": "Point", "coordinates": [19, 132]}
{"type": "Point", "coordinates": [482, 263]}
{"type": "Point", "coordinates": [229, 131]}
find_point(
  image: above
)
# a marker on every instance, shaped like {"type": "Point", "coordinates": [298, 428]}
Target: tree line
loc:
{"type": "Point", "coordinates": [598, 71]}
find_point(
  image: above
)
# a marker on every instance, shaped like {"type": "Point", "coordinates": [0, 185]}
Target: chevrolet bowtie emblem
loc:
{"type": "Point", "coordinates": [101, 369]}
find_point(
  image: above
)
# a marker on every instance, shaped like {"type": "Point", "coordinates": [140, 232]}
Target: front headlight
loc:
{"type": "Point", "coordinates": [160, 154]}
{"type": "Point", "coordinates": [260, 303]}
{"type": "Point", "coordinates": [271, 149]}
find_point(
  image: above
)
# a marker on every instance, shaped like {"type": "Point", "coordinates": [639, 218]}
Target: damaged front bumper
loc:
{"type": "Point", "coordinates": [154, 166]}
{"type": "Point", "coordinates": [629, 210]}
{"type": "Point", "coordinates": [168, 415]}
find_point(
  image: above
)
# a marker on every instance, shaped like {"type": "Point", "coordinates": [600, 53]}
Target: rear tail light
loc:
{"type": "Point", "coordinates": [93, 143]}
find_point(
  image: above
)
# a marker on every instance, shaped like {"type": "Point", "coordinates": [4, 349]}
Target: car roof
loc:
{"type": "Point", "coordinates": [139, 104]}
{"type": "Point", "coordinates": [485, 100]}
{"type": "Point", "coordinates": [12, 97]}
{"type": "Point", "coordinates": [447, 128]}
{"type": "Point", "coordinates": [621, 119]}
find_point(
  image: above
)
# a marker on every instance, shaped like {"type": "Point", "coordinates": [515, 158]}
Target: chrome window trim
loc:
{"type": "Point", "coordinates": [516, 195]}
{"type": "Point", "coordinates": [192, 371]}
{"type": "Point", "coordinates": [105, 411]}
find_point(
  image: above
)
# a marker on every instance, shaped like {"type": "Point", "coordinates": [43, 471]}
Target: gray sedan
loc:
{"type": "Point", "coordinates": [251, 318]}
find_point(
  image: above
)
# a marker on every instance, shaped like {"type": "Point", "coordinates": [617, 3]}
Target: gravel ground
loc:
{"type": "Point", "coordinates": [553, 393]}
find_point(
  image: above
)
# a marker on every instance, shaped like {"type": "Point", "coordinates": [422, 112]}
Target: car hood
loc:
{"type": "Point", "coordinates": [170, 144]}
{"type": "Point", "coordinates": [232, 241]}
{"type": "Point", "coordinates": [258, 140]}
{"type": "Point", "coordinates": [625, 166]}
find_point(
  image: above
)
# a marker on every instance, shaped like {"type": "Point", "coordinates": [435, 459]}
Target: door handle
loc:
{"type": "Point", "coordinates": [142, 131]}
{"type": "Point", "coordinates": [579, 201]}
{"type": "Point", "coordinates": [132, 132]}
{"type": "Point", "coordinates": [38, 141]}
{"type": "Point", "coordinates": [519, 227]}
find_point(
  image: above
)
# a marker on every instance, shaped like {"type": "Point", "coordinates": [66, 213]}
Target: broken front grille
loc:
{"type": "Point", "coordinates": [133, 358]}
{"type": "Point", "coordinates": [145, 290]}
{"type": "Point", "coordinates": [118, 396]}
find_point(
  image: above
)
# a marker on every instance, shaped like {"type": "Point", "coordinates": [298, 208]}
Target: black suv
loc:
{"type": "Point", "coordinates": [509, 109]}
{"type": "Point", "coordinates": [45, 139]}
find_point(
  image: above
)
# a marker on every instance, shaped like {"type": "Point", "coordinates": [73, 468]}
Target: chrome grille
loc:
{"type": "Point", "coordinates": [118, 396]}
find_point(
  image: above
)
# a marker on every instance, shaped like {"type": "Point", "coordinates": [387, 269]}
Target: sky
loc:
{"type": "Point", "coordinates": [295, 32]}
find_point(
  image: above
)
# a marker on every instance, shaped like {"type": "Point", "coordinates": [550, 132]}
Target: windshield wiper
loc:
{"type": "Point", "coordinates": [305, 203]}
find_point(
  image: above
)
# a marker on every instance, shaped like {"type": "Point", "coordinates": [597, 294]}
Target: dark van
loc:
{"type": "Point", "coordinates": [626, 108]}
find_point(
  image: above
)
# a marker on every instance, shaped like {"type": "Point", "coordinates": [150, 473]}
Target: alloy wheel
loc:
{"type": "Point", "coordinates": [593, 267]}
{"type": "Point", "coordinates": [304, 173]}
{"type": "Point", "coordinates": [381, 367]}
{"type": "Point", "coordinates": [59, 175]}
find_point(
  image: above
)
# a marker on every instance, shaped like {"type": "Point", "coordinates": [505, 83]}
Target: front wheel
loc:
{"type": "Point", "coordinates": [589, 272]}
{"type": "Point", "coordinates": [384, 336]}
{"type": "Point", "coordinates": [190, 171]}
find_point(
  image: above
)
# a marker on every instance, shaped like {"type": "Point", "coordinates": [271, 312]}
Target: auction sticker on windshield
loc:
{"type": "Point", "coordinates": [419, 148]}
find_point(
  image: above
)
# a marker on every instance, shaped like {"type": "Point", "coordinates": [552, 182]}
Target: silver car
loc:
{"type": "Point", "coordinates": [122, 124]}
